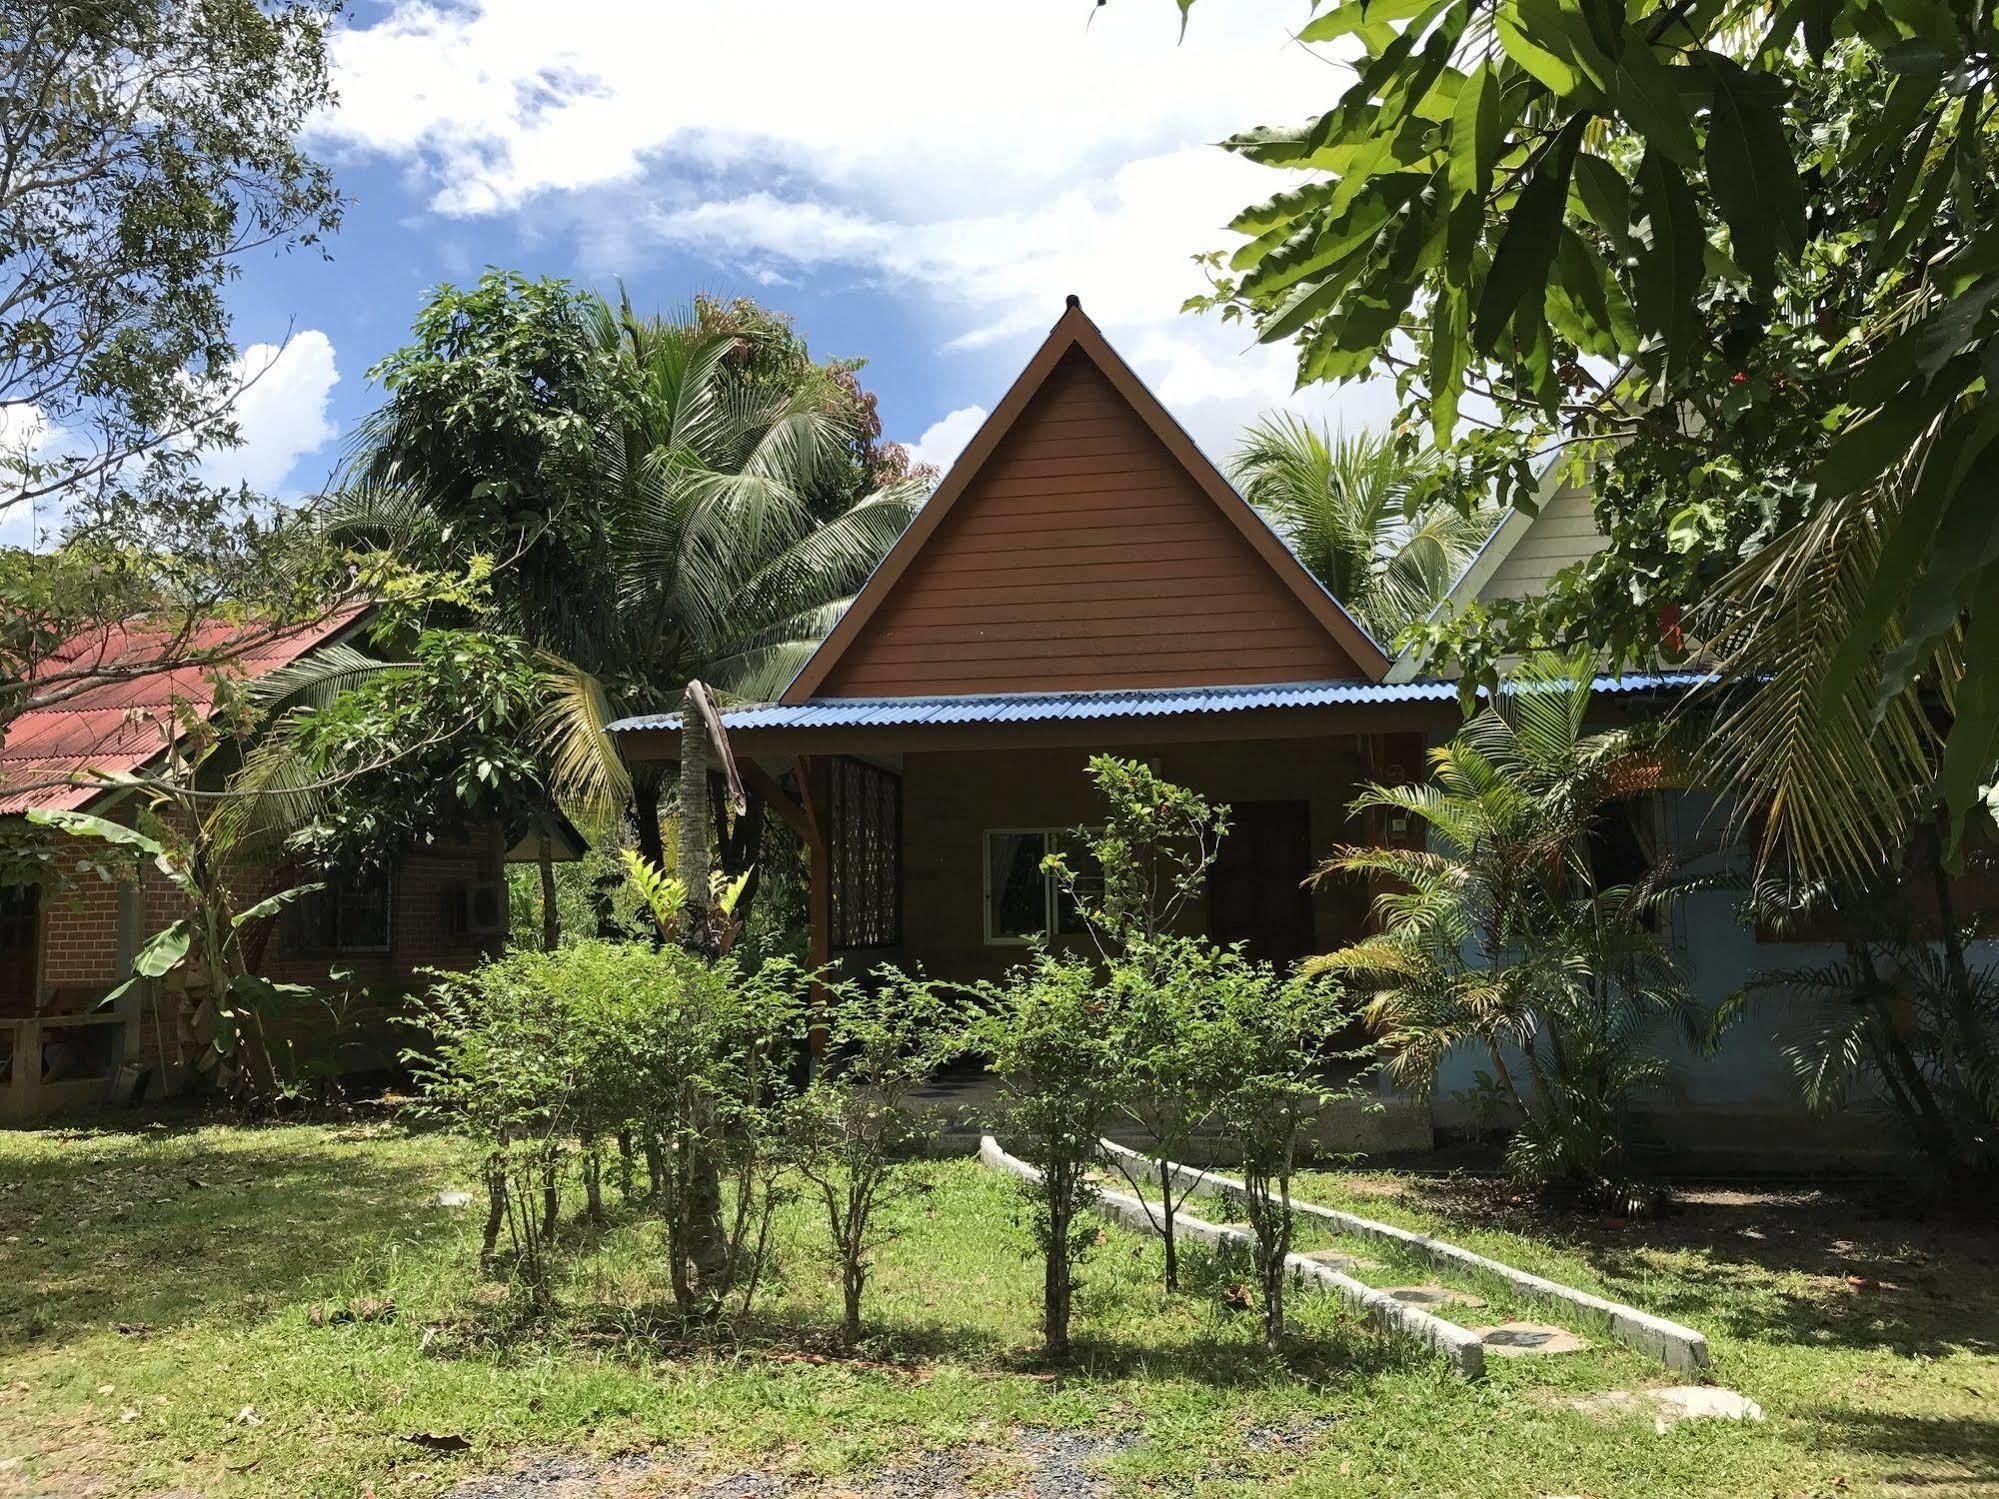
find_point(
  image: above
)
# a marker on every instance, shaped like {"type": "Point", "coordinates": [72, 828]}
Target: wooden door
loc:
{"type": "Point", "coordinates": [1256, 890]}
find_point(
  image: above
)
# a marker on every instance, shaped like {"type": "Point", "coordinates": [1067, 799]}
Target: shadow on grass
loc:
{"type": "Point", "coordinates": [129, 1228]}
{"type": "Point", "coordinates": [1124, 1327]}
{"type": "Point", "coordinates": [1812, 1268]}
{"type": "Point", "coordinates": [1942, 1454]}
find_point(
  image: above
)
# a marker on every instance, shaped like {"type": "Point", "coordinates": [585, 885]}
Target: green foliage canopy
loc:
{"type": "Point", "coordinates": [1738, 256]}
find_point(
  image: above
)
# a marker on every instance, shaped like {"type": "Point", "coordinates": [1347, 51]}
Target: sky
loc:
{"type": "Point", "coordinates": [919, 182]}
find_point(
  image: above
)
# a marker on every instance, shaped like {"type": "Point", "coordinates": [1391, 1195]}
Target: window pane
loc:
{"type": "Point", "coordinates": [1016, 889]}
{"type": "Point", "coordinates": [364, 911]}
{"type": "Point", "coordinates": [310, 921]}
{"type": "Point", "coordinates": [1089, 883]}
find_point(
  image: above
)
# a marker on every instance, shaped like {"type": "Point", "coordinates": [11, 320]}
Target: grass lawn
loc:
{"type": "Point", "coordinates": [158, 1288]}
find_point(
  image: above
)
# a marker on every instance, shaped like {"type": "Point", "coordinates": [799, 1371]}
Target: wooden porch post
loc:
{"type": "Point", "coordinates": [822, 892]}
{"type": "Point", "coordinates": [802, 817]}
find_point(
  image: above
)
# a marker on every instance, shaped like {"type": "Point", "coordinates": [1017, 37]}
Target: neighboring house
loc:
{"type": "Point", "coordinates": [61, 951]}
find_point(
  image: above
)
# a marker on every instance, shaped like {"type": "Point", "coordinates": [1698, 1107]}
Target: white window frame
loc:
{"type": "Point", "coordinates": [1051, 895]}
{"type": "Point", "coordinates": [986, 887]}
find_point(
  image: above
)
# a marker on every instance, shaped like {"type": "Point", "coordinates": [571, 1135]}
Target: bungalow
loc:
{"type": "Point", "coordinates": [63, 948]}
{"type": "Point", "coordinates": [1084, 581]}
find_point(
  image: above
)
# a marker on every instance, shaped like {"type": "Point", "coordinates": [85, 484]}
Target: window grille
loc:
{"type": "Point", "coordinates": [864, 860]}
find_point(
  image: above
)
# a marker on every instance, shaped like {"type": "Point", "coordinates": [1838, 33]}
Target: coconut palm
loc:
{"type": "Point", "coordinates": [1502, 936]}
{"type": "Point", "coordinates": [1341, 501]}
{"type": "Point", "coordinates": [683, 544]}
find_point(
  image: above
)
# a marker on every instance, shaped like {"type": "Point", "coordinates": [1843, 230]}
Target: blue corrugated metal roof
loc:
{"type": "Point", "coordinates": [1145, 702]}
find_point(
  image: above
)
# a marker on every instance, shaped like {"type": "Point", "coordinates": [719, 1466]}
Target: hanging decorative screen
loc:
{"type": "Point", "coordinates": [865, 856]}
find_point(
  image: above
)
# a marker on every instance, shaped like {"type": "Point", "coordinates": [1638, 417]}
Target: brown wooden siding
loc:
{"type": "Point", "coordinates": [950, 801]}
{"type": "Point", "coordinates": [1084, 556]}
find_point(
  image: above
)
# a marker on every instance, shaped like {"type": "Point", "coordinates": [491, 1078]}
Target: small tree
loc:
{"type": "Point", "coordinates": [1268, 1046]}
{"type": "Point", "coordinates": [506, 1064]}
{"type": "Point", "coordinates": [1150, 861]}
{"type": "Point", "coordinates": [1501, 936]}
{"type": "Point", "coordinates": [1063, 1079]}
{"type": "Point", "coordinates": [852, 1126]}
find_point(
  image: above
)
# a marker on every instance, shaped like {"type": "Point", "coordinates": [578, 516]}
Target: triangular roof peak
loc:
{"type": "Point", "coordinates": [1279, 628]}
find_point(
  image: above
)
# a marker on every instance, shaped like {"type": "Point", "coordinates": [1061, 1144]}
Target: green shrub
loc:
{"type": "Point", "coordinates": [852, 1128]}
{"type": "Point", "coordinates": [1063, 1079]}
{"type": "Point", "coordinates": [542, 1057]}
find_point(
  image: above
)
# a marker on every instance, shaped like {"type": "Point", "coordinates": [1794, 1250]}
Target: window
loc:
{"type": "Point", "coordinates": [1624, 848]}
{"type": "Point", "coordinates": [351, 914]}
{"type": "Point", "coordinates": [864, 806]}
{"type": "Point", "coordinates": [1022, 900]}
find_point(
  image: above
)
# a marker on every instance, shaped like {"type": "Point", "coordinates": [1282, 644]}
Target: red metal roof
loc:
{"type": "Point", "coordinates": [53, 756]}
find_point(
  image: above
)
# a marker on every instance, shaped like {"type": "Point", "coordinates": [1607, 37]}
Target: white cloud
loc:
{"type": "Point", "coordinates": [981, 160]}
{"type": "Point", "coordinates": [944, 439]}
{"type": "Point", "coordinates": [281, 415]}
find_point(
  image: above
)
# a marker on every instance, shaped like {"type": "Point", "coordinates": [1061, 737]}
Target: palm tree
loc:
{"type": "Point", "coordinates": [687, 551]}
{"type": "Point", "coordinates": [1342, 502]}
{"type": "Point", "coordinates": [1503, 936]}
{"type": "Point", "coordinates": [719, 570]}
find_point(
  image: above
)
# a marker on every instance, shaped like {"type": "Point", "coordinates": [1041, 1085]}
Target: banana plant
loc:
{"type": "Point", "coordinates": [198, 841]}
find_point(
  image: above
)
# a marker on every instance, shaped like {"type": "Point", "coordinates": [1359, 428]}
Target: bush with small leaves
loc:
{"type": "Point", "coordinates": [1063, 1080]}
{"type": "Point", "coordinates": [1270, 1043]}
{"type": "Point", "coordinates": [853, 1129]}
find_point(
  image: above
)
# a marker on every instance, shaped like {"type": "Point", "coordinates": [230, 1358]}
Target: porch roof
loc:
{"type": "Point", "coordinates": [1143, 702]}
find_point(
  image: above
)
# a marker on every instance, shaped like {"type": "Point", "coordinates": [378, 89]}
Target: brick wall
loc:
{"type": "Point", "coordinates": [80, 936]}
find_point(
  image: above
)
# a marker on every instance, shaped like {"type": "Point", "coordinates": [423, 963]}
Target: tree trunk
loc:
{"type": "Point", "coordinates": [645, 819]}
{"type": "Point", "coordinates": [1055, 1275]}
{"type": "Point", "coordinates": [853, 1282]}
{"type": "Point", "coordinates": [693, 818]}
{"type": "Point", "coordinates": [1166, 1226]}
{"type": "Point", "coordinates": [496, 1215]}
{"type": "Point", "coordinates": [551, 1202]}
{"type": "Point", "coordinates": [551, 923]}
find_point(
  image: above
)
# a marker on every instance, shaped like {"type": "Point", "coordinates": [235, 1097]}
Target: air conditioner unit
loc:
{"type": "Point", "coordinates": [480, 910]}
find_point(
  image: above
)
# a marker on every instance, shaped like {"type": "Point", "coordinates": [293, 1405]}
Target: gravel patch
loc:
{"type": "Point", "coordinates": [1034, 1465]}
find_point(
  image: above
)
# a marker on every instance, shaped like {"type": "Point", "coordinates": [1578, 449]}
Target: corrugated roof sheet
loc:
{"type": "Point", "coordinates": [54, 756]}
{"type": "Point", "coordinates": [1146, 702]}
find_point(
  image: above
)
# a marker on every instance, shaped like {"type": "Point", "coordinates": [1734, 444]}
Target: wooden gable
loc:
{"type": "Point", "coordinates": [1082, 543]}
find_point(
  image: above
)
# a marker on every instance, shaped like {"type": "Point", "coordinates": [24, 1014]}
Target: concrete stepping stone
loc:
{"type": "Point", "coordinates": [1679, 1403]}
{"type": "Point", "coordinates": [1433, 1295]}
{"type": "Point", "coordinates": [1529, 1339]}
{"type": "Point", "coordinates": [1340, 1260]}
{"type": "Point", "coordinates": [1703, 1403]}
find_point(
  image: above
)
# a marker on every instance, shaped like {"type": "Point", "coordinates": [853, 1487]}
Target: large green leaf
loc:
{"type": "Point", "coordinates": [1349, 17]}
{"type": "Point", "coordinates": [270, 905]}
{"type": "Point", "coordinates": [1552, 71]}
{"type": "Point", "coordinates": [1750, 170]}
{"type": "Point", "coordinates": [1447, 363]}
{"type": "Point", "coordinates": [1606, 201]}
{"type": "Point", "coordinates": [1647, 94]}
{"type": "Point", "coordinates": [85, 825]}
{"type": "Point", "coordinates": [164, 951]}
{"type": "Point", "coordinates": [1519, 274]}
{"type": "Point", "coordinates": [1474, 146]}
{"type": "Point", "coordinates": [1668, 274]}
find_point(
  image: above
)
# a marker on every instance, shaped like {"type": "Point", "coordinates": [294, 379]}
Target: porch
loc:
{"type": "Point", "coordinates": [926, 819]}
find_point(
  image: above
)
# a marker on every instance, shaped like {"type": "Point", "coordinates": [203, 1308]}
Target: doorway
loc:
{"type": "Point", "coordinates": [1256, 889]}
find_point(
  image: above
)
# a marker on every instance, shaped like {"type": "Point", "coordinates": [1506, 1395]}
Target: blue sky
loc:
{"type": "Point", "coordinates": [918, 181]}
